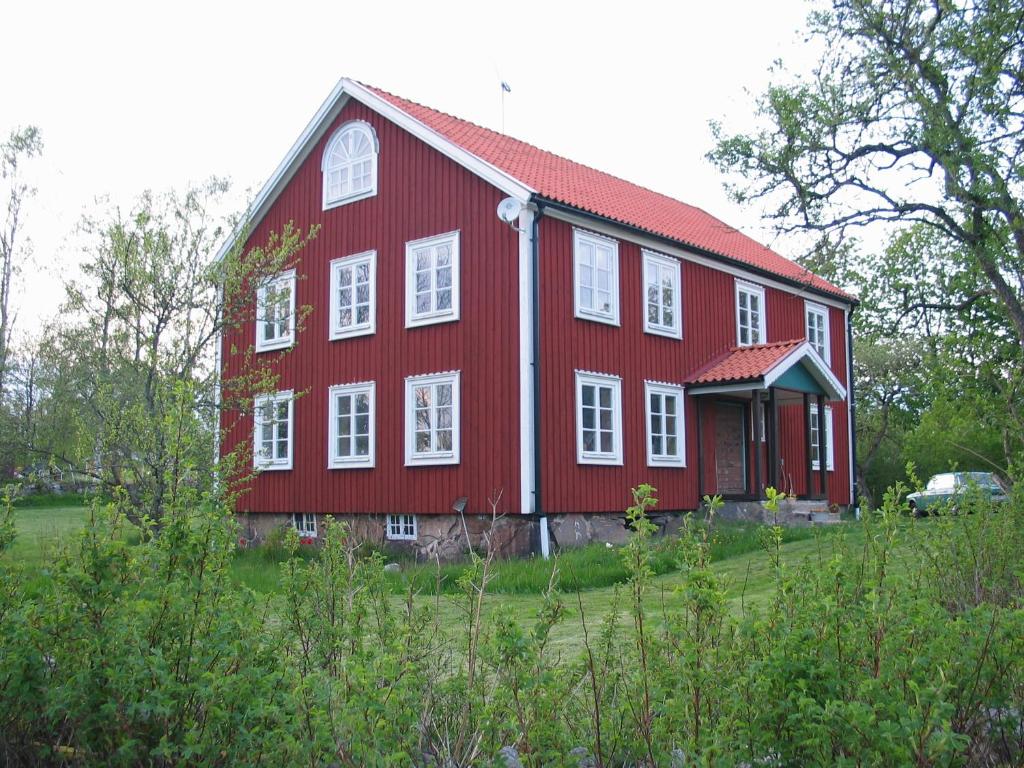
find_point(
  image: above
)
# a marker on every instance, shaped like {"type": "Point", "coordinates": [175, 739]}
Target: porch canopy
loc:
{"type": "Point", "coordinates": [748, 385]}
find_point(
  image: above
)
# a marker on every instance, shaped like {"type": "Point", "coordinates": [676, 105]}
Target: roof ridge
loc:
{"type": "Point", "coordinates": [556, 155]}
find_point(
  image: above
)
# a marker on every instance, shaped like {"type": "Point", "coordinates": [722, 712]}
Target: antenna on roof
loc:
{"type": "Point", "coordinates": [505, 88]}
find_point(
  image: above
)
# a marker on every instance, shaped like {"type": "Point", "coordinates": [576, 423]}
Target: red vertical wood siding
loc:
{"type": "Point", "coordinates": [709, 330]}
{"type": "Point", "coordinates": [420, 193]}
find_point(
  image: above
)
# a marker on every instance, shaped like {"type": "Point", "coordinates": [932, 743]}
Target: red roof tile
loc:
{"type": "Point", "coordinates": [579, 186]}
{"type": "Point", "coordinates": [741, 364]}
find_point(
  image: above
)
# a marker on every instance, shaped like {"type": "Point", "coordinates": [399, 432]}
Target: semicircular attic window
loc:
{"type": "Point", "coordinates": [350, 165]}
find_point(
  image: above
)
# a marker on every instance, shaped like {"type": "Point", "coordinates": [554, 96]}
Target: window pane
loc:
{"type": "Point", "coordinates": [363, 315]}
{"type": "Point", "coordinates": [606, 418]}
{"type": "Point", "coordinates": [656, 445]}
{"type": "Point", "coordinates": [362, 425]}
{"type": "Point", "coordinates": [422, 442]}
{"type": "Point", "coordinates": [444, 394]}
{"type": "Point", "coordinates": [589, 440]}
{"type": "Point", "coordinates": [586, 298]}
{"type": "Point", "coordinates": [605, 396]}
{"type": "Point", "coordinates": [606, 442]}
{"type": "Point", "coordinates": [588, 418]}
{"type": "Point", "coordinates": [588, 394]}
{"type": "Point", "coordinates": [444, 299]}
{"type": "Point", "coordinates": [363, 446]}
{"type": "Point", "coordinates": [671, 446]}
{"type": "Point", "coordinates": [444, 418]}
{"type": "Point", "coordinates": [444, 440]}
{"type": "Point", "coordinates": [345, 277]}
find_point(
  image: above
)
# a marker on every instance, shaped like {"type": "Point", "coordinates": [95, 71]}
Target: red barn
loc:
{"type": "Point", "coordinates": [489, 316]}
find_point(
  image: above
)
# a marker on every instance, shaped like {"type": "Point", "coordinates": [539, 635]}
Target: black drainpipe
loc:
{"type": "Point", "coordinates": [535, 269]}
{"type": "Point", "coordinates": [853, 407]}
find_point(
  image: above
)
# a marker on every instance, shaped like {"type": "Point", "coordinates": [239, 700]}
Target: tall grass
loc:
{"type": "Point", "coordinates": [590, 567]}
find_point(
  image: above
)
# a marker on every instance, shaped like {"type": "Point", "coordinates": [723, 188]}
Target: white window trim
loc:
{"type": "Point", "coordinates": [288, 277]}
{"type": "Point", "coordinates": [758, 290]}
{"type": "Point", "coordinates": [412, 318]}
{"type": "Point", "coordinates": [355, 196]}
{"type": "Point", "coordinates": [583, 313]}
{"type": "Point", "coordinates": [596, 457]}
{"type": "Point", "coordinates": [307, 517]}
{"type": "Point", "coordinates": [676, 390]}
{"type": "Point", "coordinates": [653, 257]}
{"type": "Point", "coordinates": [413, 459]}
{"type": "Point", "coordinates": [337, 331]}
{"type": "Point", "coordinates": [334, 460]}
{"type": "Point", "coordinates": [390, 536]}
{"type": "Point", "coordinates": [810, 308]}
{"type": "Point", "coordinates": [830, 439]}
{"type": "Point", "coordinates": [265, 465]}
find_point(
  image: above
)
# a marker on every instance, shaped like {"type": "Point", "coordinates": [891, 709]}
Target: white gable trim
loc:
{"type": "Point", "coordinates": [818, 368]}
{"type": "Point", "coordinates": [317, 127]}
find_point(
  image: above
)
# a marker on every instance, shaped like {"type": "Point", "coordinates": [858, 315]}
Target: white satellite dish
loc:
{"type": "Point", "coordinates": [508, 210]}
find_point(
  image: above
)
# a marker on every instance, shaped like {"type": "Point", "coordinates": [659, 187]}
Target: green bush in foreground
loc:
{"type": "Point", "coordinates": [907, 650]}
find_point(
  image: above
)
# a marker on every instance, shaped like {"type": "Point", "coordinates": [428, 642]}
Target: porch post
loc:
{"type": "Point", "coordinates": [773, 439]}
{"type": "Point", "coordinates": [756, 402]}
{"type": "Point", "coordinates": [807, 443]}
{"type": "Point", "coordinates": [822, 445]}
{"type": "Point", "coordinates": [700, 448]}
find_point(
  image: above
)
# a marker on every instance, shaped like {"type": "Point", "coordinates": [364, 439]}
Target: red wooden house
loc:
{"type": "Point", "coordinates": [488, 315]}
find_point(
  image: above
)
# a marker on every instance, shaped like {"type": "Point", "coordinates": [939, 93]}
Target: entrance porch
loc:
{"type": "Point", "coordinates": [760, 423]}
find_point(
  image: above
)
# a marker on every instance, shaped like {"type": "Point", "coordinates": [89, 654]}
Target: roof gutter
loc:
{"type": "Point", "coordinates": [747, 267]}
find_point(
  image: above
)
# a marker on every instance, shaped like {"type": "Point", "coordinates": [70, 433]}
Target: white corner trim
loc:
{"type": "Point", "coordinates": [335, 330]}
{"type": "Point", "coordinates": [615, 456]}
{"type": "Point", "coordinates": [527, 445]}
{"type": "Point", "coordinates": [334, 460]}
{"type": "Point", "coordinates": [849, 409]}
{"type": "Point", "coordinates": [671, 390]}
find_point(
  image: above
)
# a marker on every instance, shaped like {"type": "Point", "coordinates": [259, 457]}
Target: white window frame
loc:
{"type": "Point", "coordinates": [613, 458]}
{"type": "Point", "coordinates": [583, 237]}
{"type": "Point", "coordinates": [666, 390]}
{"type": "Point", "coordinates": [660, 262]}
{"type": "Point", "coordinates": [286, 278]}
{"type": "Point", "coordinates": [261, 402]}
{"type": "Point", "coordinates": [351, 197]}
{"type": "Point", "coordinates": [304, 523]}
{"type": "Point", "coordinates": [336, 460]}
{"type": "Point", "coordinates": [413, 318]}
{"type": "Point", "coordinates": [396, 527]}
{"type": "Point", "coordinates": [751, 289]}
{"type": "Point", "coordinates": [337, 330]}
{"type": "Point", "coordinates": [830, 440]}
{"type": "Point", "coordinates": [412, 458]}
{"type": "Point", "coordinates": [810, 309]}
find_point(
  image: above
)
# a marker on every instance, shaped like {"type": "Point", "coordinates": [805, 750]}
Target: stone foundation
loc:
{"type": "Point", "coordinates": [439, 537]}
{"type": "Point", "coordinates": [791, 512]}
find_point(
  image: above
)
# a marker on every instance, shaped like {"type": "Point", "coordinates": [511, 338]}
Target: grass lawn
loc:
{"type": "Point", "coordinates": [739, 561]}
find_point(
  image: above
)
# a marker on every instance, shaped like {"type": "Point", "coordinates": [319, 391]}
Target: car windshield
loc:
{"type": "Point", "coordinates": [941, 482]}
{"type": "Point", "coordinates": [981, 479]}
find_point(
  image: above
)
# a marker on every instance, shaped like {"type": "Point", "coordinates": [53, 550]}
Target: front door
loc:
{"type": "Point", "coordinates": [730, 440]}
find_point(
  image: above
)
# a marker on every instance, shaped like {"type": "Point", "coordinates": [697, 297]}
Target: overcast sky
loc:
{"type": "Point", "coordinates": [135, 96]}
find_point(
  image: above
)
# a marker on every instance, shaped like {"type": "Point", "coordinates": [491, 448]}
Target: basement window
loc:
{"type": "Point", "coordinates": [304, 523]}
{"type": "Point", "coordinates": [401, 528]}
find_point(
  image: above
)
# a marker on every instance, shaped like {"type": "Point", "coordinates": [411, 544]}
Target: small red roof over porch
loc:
{"type": "Point", "coordinates": [760, 366]}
